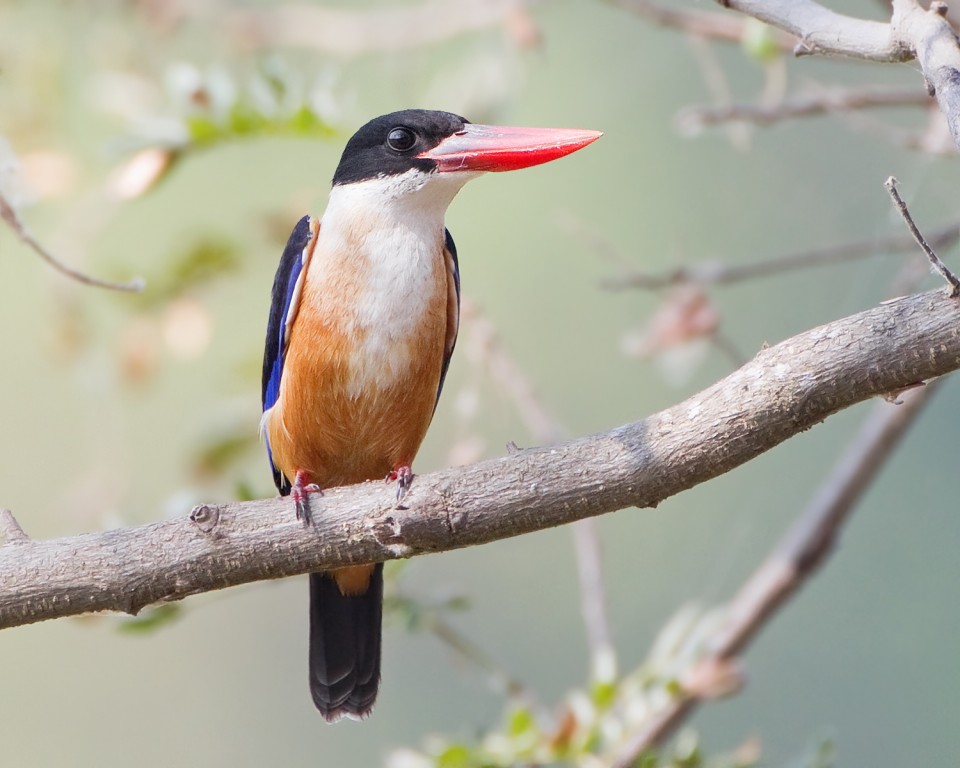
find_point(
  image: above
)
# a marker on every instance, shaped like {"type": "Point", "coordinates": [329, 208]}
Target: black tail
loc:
{"type": "Point", "coordinates": [345, 646]}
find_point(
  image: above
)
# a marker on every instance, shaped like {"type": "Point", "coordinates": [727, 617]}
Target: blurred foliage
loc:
{"type": "Point", "coordinates": [590, 723]}
{"type": "Point", "coordinates": [151, 619]}
{"type": "Point", "coordinates": [210, 108]}
{"type": "Point", "coordinates": [223, 453]}
{"type": "Point", "coordinates": [207, 258]}
{"type": "Point", "coordinates": [759, 42]}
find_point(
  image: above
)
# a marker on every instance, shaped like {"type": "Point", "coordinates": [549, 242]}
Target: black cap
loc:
{"type": "Point", "coordinates": [388, 145]}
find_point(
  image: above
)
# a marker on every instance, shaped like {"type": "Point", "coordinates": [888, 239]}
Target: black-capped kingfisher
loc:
{"type": "Point", "coordinates": [363, 321]}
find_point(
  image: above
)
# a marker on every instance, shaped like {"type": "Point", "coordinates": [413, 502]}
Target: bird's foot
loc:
{"type": "Point", "coordinates": [403, 476]}
{"type": "Point", "coordinates": [301, 487]}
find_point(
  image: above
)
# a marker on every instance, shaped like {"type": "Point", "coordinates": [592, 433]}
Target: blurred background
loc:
{"type": "Point", "coordinates": [181, 141]}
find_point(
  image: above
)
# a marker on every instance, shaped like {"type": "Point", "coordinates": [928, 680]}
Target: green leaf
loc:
{"type": "Point", "coordinates": [674, 687]}
{"type": "Point", "coordinates": [455, 756]}
{"type": "Point", "coordinates": [603, 694]}
{"type": "Point", "coordinates": [151, 619]}
{"type": "Point", "coordinates": [306, 121]}
{"type": "Point", "coordinates": [758, 41]}
{"type": "Point", "coordinates": [201, 130]}
{"type": "Point", "coordinates": [520, 722]}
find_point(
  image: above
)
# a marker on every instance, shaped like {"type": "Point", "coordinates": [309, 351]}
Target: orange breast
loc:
{"type": "Point", "coordinates": [356, 398]}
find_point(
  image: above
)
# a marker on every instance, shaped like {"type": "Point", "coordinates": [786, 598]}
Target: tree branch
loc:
{"type": "Point", "coordinates": [8, 214]}
{"type": "Point", "coordinates": [705, 24]}
{"type": "Point", "coordinates": [784, 390]}
{"type": "Point", "coordinates": [821, 31]}
{"type": "Point", "coordinates": [692, 120]}
{"type": "Point", "coordinates": [935, 262]}
{"type": "Point", "coordinates": [931, 39]}
{"type": "Point", "coordinates": [719, 273]}
{"type": "Point", "coordinates": [913, 33]}
{"type": "Point", "coordinates": [350, 32]}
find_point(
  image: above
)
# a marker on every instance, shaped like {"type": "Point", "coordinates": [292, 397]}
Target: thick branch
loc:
{"type": "Point", "coordinates": [784, 390]}
{"type": "Point", "coordinates": [928, 34]}
{"type": "Point", "coordinates": [822, 31]}
{"type": "Point", "coordinates": [913, 33]}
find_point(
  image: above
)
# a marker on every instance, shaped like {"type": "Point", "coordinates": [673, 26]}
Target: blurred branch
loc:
{"type": "Point", "coordinates": [796, 558]}
{"type": "Point", "coordinates": [463, 645]}
{"type": "Point", "coordinates": [9, 215]}
{"type": "Point", "coordinates": [350, 32]}
{"type": "Point", "coordinates": [694, 119]}
{"type": "Point", "coordinates": [784, 390]}
{"type": "Point", "coordinates": [715, 273]}
{"type": "Point", "coordinates": [489, 355]}
{"type": "Point", "coordinates": [711, 25]}
{"type": "Point", "coordinates": [593, 599]}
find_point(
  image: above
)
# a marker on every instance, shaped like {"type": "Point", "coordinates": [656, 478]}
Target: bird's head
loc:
{"type": "Point", "coordinates": [424, 150]}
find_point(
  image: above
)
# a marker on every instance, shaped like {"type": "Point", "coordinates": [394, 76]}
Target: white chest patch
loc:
{"type": "Point", "coordinates": [380, 254]}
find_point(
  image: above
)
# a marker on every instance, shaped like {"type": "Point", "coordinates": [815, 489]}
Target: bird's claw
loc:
{"type": "Point", "coordinates": [302, 487]}
{"type": "Point", "coordinates": [403, 477]}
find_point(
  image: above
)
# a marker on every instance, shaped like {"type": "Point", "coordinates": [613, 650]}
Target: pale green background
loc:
{"type": "Point", "coordinates": [866, 656]}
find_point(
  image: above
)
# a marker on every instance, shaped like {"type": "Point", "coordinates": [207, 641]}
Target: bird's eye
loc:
{"type": "Point", "coordinates": [401, 139]}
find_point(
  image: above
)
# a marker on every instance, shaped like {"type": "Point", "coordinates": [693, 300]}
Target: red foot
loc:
{"type": "Point", "coordinates": [301, 487]}
{"type": "Point", "coordinates": [403, 476]}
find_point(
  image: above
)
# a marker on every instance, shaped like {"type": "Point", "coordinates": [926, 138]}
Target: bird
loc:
{"type": "Point", "coordinates": [362, 324]}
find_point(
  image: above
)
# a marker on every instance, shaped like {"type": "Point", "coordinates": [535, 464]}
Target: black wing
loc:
{"type": "Point", "coordinates": [283, 307]}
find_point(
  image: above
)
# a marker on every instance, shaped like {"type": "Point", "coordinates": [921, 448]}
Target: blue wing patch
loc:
{"type": "Point", "coordinates": [287, 287]}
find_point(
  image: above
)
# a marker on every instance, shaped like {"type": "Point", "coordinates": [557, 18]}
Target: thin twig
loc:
{"type": "Point", "coordinates": [9, 215]}
{"type": "Point", "coordinates": [799, 554]}
{"type": "Point", "coordinates": [461, 644]}
{"type": "Point", "coordinates": [593, 600]}
{"type": "Point", "coordinates": [489, 355]}
{"type": "Point", "coordinates": [716, 273]}
{"type": "Point", "coordinates": [945, 273]}
{"type": "Point", "coordinates": [711, 25]}
{"type": "Point", "coordinates": [694, 119]}
{"type": "Point", "coordinates": [725, 344]}
{"type": "Point", "coordinates": [718, 86]}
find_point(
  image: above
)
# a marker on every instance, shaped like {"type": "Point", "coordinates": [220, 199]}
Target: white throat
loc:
{"type": "Point", "coordinates": [411, 200]}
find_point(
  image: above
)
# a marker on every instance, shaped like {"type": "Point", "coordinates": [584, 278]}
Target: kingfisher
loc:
{"type": "Point", "coordinates": [363, 320]}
